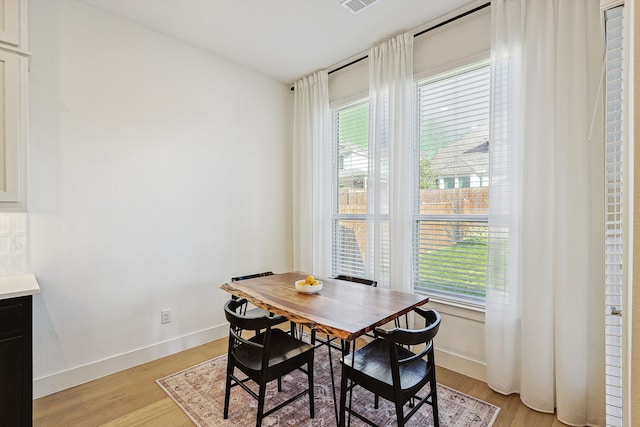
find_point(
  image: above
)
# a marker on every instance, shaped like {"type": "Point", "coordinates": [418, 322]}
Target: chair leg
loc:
{"type": "Point", "coordinates": [261, 394]}
{"type": "Point", "coordinates": [434, 392]}
{"type": "Point", "coordinates": [399, 413]}
{"type": "Point", "coordinates": [279, 384]}
{"type": "Point", "coordinates": [312, 411]}
{"type": "Point", "coordinates": [227, 390]}
{"type": "Point", "coordinates": [434, 400]}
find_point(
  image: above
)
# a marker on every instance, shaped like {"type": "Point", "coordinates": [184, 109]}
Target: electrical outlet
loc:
{"type": "Point", "coordinates": [165, 316]}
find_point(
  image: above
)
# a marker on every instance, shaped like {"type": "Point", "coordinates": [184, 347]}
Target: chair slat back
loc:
{"type": "Point", "coordinates": [251, 276]}
{"type": "Point", "coordinates": [260, 325]}
{"type": "Point", "coordinates": [237, 338]}
{"type": "Point", "coordinates": [361, 280]}
{"type": "Point", "coordinates": [401, 336]}
{"type": "Point", "coordinates": [249, 323]}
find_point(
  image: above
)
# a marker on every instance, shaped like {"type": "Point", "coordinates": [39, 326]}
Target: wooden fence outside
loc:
{"type": "Point", "coordinates": [458, 201]}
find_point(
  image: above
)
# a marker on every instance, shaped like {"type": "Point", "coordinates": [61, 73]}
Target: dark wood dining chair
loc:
{"type": "Point", "coordinates": [257, 311]}
{"type": "Point", "coordinates": [254, 312]}
{"type": "Point", "coordinates": [389, 370]}
{"type": "Point", "coordinates": [329, 340]}
{"type": "Point", "coordinates": [374, 284]}
{"type": "Point", "coordinates": [269, 355]}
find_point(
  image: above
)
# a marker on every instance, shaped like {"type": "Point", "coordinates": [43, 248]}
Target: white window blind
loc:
{"type": "Point", "coordinates": [614, 188]}
{"type": "Point", "coordinates": [351, 142]}
{"type": "Point", "coordinates": [451, 221]}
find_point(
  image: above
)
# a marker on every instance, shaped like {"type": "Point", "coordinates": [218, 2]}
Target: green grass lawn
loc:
{"type": "Point", "coordinates": [460, 268]}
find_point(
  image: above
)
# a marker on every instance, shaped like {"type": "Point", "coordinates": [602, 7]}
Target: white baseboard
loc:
{"type": "Point", "coordinates": [455, 362]}
{"type": "Point", "coordinates": [53, 383]}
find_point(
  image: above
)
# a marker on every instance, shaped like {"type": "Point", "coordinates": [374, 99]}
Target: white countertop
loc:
{"type": "Point", "coordinates": [18, 285]}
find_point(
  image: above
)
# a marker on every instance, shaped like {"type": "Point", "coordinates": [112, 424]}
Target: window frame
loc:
{"type": "Point", "coordinates": [447, 71]}
{"type": "Point", "coordinates": [336, 216]}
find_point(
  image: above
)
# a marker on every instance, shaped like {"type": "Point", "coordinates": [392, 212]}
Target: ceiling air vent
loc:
{"type": "Point", "coordinates": [355, 6]}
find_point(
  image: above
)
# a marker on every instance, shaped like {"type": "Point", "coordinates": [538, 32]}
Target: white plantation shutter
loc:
{"type": "Point", "coordinates": [351, 142]}
{"type": "Point", "coordinates": [614, 220]}
{"type": "Point", "coordinates": [451, 222]}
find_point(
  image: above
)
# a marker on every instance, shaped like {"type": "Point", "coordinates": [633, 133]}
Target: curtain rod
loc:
{"type": "Point", "coordinates": [443, 23]}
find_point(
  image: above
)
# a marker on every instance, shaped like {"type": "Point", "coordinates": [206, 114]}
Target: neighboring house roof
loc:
{"type": "Point", "coordinates": [355, 162]}
{"type": "Point", "coordinates": [465, 156]}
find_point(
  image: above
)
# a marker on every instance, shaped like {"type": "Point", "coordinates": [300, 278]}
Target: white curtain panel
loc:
{"type": "Point", "coordinates": [311, 179]}
{"type": "Point", "coordinates": [545, 307]}
{"type": "Point", "coordinates": [391, 169]}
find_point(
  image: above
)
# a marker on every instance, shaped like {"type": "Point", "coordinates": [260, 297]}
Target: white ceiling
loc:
{"type": "Point", "coordinates": [283, 39]}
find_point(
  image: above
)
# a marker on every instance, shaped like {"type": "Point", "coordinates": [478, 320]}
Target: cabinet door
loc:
{"type": "Point", "coordinates": [10, 22]}
{"type": "Point", "coordinates": [16, 373]}
{"type": "Point", "coordinates": [11, 382]}
{"type": "Point", "coordinates": [10, 139]}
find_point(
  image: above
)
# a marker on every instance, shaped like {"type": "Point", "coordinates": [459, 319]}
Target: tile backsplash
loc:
{"type": "Point", "coordinates": [13, 243]}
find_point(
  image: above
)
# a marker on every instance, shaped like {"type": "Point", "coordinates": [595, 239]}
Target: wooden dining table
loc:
{"type": "Point", "coordinates": [343, 309]}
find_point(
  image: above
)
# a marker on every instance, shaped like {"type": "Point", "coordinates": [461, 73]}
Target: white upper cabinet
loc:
{"type": "Point", "coordinates": [10, 22]}
{"type": "Point", "coordinates": [14, 62]}
{"type": "Point", "coordinates": [9, 126]}
{"type": "Point", "coordinates": [13, 25]}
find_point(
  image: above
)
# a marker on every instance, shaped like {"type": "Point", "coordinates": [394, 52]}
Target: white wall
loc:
{"type": "Point", "coordinates": [157, 172]}
{"type": "Point", "coordinates": [460, 341]}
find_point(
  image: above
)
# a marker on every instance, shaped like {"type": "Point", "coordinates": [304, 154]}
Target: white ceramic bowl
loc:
{"type": "Point", "coordinates": [308, 289]}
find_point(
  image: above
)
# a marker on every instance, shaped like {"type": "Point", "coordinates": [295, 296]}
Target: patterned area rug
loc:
{"type": "Point", "coordinates": [199, 392]}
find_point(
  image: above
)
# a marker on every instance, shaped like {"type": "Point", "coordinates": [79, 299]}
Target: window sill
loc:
{"type": "Point", "coordinates": [458, 309]}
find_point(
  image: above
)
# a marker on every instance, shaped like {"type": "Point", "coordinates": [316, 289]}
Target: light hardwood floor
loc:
{"type": "Point", "coordinates": [132, 398]}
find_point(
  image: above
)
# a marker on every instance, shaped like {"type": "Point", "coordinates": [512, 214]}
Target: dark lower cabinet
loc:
{"type": "Point", "coordinates": [15, 362]}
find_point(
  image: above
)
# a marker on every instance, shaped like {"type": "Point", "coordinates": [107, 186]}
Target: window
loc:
{"type": "Point", "coordinates": [451, 216]}
{"type": "Point", "coordinates": [351, 140]}
{"type": "Point", "coordinates": [614, 212]}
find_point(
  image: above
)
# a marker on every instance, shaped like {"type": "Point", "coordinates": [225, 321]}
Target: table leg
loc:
{"type": "Point", "coordinates": [343, 394]}
{"type": "Point", "coordinates": [343, 381]}
{"type": "Point", "coordinates": [333, 383]}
